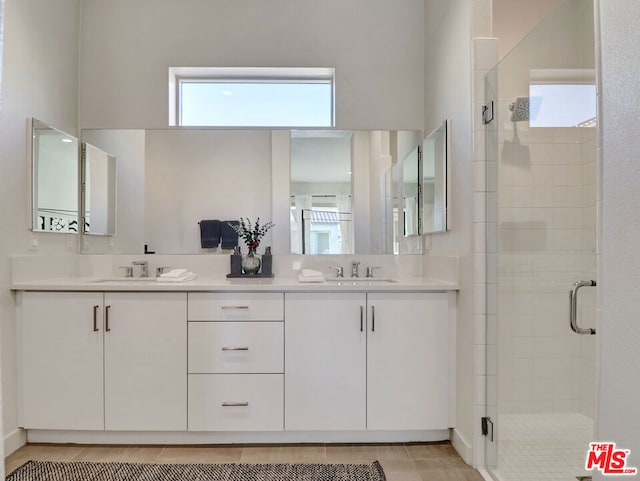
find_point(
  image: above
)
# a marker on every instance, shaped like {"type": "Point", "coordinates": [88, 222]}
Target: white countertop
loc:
{"type": "Point", "coordinates": [223, 284]}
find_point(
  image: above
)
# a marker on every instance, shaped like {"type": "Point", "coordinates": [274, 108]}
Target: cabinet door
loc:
{"type": "Point", "coordinates": [325, 356]}
{"type": "Point", "coordinates": [145, 361]}
{"type": "Point", "coordinates": [61, 360]}
{"type": "Point", "coordinates": [407, 361]}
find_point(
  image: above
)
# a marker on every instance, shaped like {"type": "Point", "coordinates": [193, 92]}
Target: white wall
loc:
{"type": "Point", "coordinates": [40, 67]}
{"type": "Point", "coordinates": [375, 45]}
{"type": "Point", "coordinates": [618, 417]}
{"type": "Point", "coordinates": [448, 54]}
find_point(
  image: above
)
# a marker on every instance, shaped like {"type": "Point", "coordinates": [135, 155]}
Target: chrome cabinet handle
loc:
{"type": "Point", "coordinates": [225, 308]}
{"type": "Point", "coordinates": [235, 404]}
{"type": "Point", "coordinates": [373, 318]}
{"type": "Point", "coordinates": [361, 318]}
{"type": "Point", "coordinates": [243, 348]}
{"type": "Point", "coordinates": [95, 318]}
{"type": "Point", "coordinates": [573, 308]}
{"type": "Point", "coordinates": [106, 318]}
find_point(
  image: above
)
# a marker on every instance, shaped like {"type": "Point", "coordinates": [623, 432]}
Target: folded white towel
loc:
{"type": "Point", "coordinates": [185, 277]}
{"type": "Point", "coordinates": [310, 273]}
{"type": "Point", "coordinates": [173, 273]}
{"type": "Point", "coordinates": [302, 278]}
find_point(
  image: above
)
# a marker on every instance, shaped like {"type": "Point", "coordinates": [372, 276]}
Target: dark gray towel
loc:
{"type": "Point", "coordinates": [229, 235]}
{"type": "Point", "coordinates": [209, 233]}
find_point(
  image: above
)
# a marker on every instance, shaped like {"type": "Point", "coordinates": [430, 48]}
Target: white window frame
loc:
{"type": "Point", "coordinates": [179, 75]}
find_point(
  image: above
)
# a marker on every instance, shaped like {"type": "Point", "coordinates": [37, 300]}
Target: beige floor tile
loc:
{"type": "Point", "coordinates": [39, 452]}
{"type": "Point", "coordinates": [122, 454]}
{"type": "Point", "coordinates": [284, 454]}
{"type": "Point", "coordinates": [400, 471]}
{"type": "Point", "coordinates": [199, 454]}
{"type": "Point", "coordinates": [366, 453]}
{"type": "Point", "coordinates": [429, 451]}
{"type": "Point", "coordinates": [454, 462]}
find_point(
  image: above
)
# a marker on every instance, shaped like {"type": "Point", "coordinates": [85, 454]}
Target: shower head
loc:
{"type": "Point", "coordinates": [519, 109]}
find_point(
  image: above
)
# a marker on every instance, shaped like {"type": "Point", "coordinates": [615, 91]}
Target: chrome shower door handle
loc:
{"type": "Point", "coordinates": [573, 307]}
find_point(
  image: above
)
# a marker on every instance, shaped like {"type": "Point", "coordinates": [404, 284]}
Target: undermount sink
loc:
{"type": "Point", "coordinates": [360, 281]}
{"type": "Point", "coordinates": [121, 280]}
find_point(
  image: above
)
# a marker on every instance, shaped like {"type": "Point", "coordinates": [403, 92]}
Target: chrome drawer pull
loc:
{"type": "Point", "coordinates": [225, 308]}
{"type": "Point", "coordinates": [228, 404]}
{"type": "Point", "coordinates": [243, 348]}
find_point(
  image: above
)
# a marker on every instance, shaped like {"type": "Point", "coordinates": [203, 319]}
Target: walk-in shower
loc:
{"type": "Point", "coordinates": [541, 152]}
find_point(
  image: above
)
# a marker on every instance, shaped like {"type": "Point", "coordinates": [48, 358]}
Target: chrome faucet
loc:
{"type": "Point", "coordinates": [370, 270]}
{"type": "Point", "coordinates": [339, 270]}
{"type": "Point", "coordinates": [161, 270]}
{"type": "Point", "coordinates": [145, 267]}
{"type": "Point", "coordinates": [354, 268]}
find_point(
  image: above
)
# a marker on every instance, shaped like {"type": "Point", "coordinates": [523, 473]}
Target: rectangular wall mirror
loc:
{"type": "Point", "coordinates": [98, 191]}
{"type": "Point", "coordinates": [54, 166]}
{"type": "Point", "coordinates": [435, 150]}
{"type": "Point", "coordinates": [171, 179]}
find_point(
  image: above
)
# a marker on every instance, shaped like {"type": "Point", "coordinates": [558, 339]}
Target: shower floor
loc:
{"type": "Point", "coordinates": [549, 447]}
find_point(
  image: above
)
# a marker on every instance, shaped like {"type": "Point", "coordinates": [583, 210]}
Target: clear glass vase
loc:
{"type": "Point", "coordinates": [251, 263]}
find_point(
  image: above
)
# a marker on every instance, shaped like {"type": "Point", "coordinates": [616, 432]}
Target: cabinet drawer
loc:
{"type": "Point", "coordinates": [236, 347]}
{"type": "Point", "coordinates": [236, 306]}
{"type": "Point", "coordinates": [236, 402]}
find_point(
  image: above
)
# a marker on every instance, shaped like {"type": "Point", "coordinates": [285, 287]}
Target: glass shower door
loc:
{"type": "Point", "coordinates": [541, 148]}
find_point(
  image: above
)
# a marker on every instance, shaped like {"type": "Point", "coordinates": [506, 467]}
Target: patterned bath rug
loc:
{"type": "Point", "coordinates": [85, 471]}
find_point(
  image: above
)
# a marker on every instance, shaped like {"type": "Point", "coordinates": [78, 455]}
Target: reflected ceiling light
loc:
{"type": "Point", "coordinates": [66, 141]}
{"type": "Point", "coordinates": [227, 93]}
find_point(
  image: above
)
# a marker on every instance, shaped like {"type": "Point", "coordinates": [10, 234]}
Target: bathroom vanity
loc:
{"type": "Point", "coordinates": [117, 361]}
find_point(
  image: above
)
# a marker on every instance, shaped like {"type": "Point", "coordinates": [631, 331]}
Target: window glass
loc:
{"type": "Point", "coordinates": [256, 104]}
{"type": "Point", "coordinates": [562, 105]}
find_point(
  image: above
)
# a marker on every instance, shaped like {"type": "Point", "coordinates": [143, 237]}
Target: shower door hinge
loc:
{"type": "Point", "coordinates": [487, 427]}
{"type": "Point", "coordinates": [487, 113]}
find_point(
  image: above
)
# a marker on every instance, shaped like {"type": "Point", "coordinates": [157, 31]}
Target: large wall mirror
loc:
{"type": "Point", "coordinates": [54, 167]}
{"type": "Point", "coordinates": [435, 151]}
{"type": "Point", "coordinates": [171, 179]}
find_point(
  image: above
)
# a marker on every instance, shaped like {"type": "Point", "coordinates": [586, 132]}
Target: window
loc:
{"type": "Point", "coordinates": [562, 105]}
{"type": "Point", "coordinates": [251, 97]}
{"type": "Point", "coordinates": [561, 98]}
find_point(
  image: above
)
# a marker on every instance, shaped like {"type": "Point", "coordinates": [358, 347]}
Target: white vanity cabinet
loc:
{"type": "Point", "coordinates": [407, 361]}
{"type": "Point", "coordinates": [145, 361]}
{"type": "Point", "coordinates": [375, 361]}
{"type": "Point", "coordinates": [236, 361]}
{"type": "Point", "coordinates": [61, 360]}
{"type": "Point", "coordinates": [94, 361]}
{"type": "Point", "coordinates": [325, 368]}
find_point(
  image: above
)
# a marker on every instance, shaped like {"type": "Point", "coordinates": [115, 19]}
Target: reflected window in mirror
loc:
{"type": "Point", "coordinates": [54, 158]}
{"type": "Point", "coordinates": [321, 202]}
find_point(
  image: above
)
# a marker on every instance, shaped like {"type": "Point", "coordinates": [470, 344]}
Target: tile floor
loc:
{"type": "Point", "coordinates": [401, 462]}
{"type": "Point", "coordinates": [549, 446]}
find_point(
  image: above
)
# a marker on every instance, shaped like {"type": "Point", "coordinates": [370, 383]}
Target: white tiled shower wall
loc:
{"type": "Point", "coordinates": [546, 231]}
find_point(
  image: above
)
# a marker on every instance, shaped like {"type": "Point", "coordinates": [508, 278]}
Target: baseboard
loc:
{"type": "Point", "coordinates": [147, 437]}
{"type": "Point", "coordinates": [14, 441]}
{"type": "Point", "coordinates": [465, 450]}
